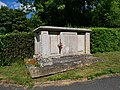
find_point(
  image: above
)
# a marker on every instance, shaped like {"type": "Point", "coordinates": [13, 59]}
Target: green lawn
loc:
{"type": "Point", "coordinates": [18, 73]}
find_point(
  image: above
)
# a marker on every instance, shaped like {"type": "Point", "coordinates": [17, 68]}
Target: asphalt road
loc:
{"type": "Point", "coordinates": [112, 83]}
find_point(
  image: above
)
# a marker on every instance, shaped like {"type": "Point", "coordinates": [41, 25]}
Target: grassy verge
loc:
{"type": "Point", "coordinates": [17, 73]}
{"type": "Point", "coordinates": [110, 65]}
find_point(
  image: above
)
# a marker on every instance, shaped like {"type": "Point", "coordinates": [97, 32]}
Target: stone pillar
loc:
{"type": "Point", "coordinates": [35, 43]}
{"type": "Point", "coordinates": [45, 44]}
{"type": "Point", "coordinates": [39, 43]}
{"type": "Point", "coordinates": [87, 43]}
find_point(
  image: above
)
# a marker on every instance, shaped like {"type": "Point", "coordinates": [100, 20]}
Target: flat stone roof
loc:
{"type": "Point", "coordinates": [53, 28]}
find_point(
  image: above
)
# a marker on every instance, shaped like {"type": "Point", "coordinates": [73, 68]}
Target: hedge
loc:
{"type": "Point", "coordinates": [105, 39]}
{"type": "Point", "coordinates": [15, 46]}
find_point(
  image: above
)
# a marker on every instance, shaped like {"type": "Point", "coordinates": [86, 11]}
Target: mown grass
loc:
{"type": "Point", "coordinates": [110, 65]}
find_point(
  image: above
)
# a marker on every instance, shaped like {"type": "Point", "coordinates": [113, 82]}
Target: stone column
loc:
{"type": "Point", "coordinates": [87, 43]}
{"type": "Point", "coordinates": [45, 50]}
{"type": "Point", "coordinates": [39, 43]}
{"type": "Point", "coordinates": [35, 43]}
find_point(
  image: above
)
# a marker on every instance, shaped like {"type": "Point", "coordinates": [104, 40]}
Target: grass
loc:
{"type": "Point", "coordinates": [18, 73]}
{"type": "Point", "coordinates": [110, 65]}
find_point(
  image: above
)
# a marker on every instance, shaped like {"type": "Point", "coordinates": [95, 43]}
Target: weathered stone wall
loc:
{"type": "Point", "coordinates": [49, 66]}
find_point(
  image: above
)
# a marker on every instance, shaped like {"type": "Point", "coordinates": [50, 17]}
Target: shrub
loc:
{"type": "Point", "coordinates": [105, 40]}
{"type": "Point", "coordinates": [15, 46]}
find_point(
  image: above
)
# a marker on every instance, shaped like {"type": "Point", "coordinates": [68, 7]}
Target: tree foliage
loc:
{"type": "Point", "coordinates": [12, 20]}
{"type": "Point", "coordinates": [107, 14]}
{"type": "Point", "coordinates": [102, 13]}
{"type": "Point", "coordinates": [64, 12]}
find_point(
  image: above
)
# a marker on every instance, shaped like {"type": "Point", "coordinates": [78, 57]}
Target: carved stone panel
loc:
{"type": "Point", "coordinates": [81, 43]}
{"type": "Point", "coordinates": [54, 41]}
{"type": "Point", "coordinates": [69, 41]}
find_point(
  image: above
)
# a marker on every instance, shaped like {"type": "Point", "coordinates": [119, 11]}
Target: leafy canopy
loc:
{"type": "Point", "coordinates": [102, 13]}
{"type": "Point", "coordinates": [12, 21]}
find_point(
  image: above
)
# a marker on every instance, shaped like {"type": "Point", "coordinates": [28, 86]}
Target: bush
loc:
{"type": "Point", "coordinates": [105, 40]}
{"type": "Point", "coordinates": [15, 46]}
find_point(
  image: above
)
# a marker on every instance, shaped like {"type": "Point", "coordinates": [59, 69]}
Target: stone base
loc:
{"type": "Point", "coordinates": [55, 65]}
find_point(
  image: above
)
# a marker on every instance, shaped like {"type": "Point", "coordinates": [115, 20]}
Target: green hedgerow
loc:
{"type": "Point", "coordinates": [15, 46]}
{"type": "Point", "coordinates": [105, 40]}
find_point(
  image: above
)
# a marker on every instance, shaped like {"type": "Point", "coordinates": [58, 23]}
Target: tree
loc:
{"type": "Point", "coordinates": [115, 14]}
{"type": "Point", "coordinates": [5, 20]}
{"type": "Point", "coordinates": [102, 13]}
{"type": "Point", "coordinates": [35, 22]}
{"type": "Point", "coordinates": [63, 12]}
{"type": "Point", "coordinates": [107, 14]}
{"type": "Point", "coordinates": [12, 20]}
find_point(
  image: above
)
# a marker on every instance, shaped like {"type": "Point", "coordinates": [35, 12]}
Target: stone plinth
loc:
{"type": "Point", "coordinates": [58, 49]}
{"type": "Point", "coordinates": [55, 65]}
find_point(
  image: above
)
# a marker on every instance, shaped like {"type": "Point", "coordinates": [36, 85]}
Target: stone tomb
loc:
{"type": "Point", "coordinates": [61, 41]}
{"type": "Point", "coordinates": [59, 49]}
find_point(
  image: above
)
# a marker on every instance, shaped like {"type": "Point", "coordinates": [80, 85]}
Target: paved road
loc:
{"type": "Point", "coordinates": [112, 83]}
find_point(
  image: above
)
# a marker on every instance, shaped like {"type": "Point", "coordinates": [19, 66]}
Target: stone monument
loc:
{"type": "Point", "coordinates": [61, 41]}
{"type": "Point", "coordinates": [59, 49]}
